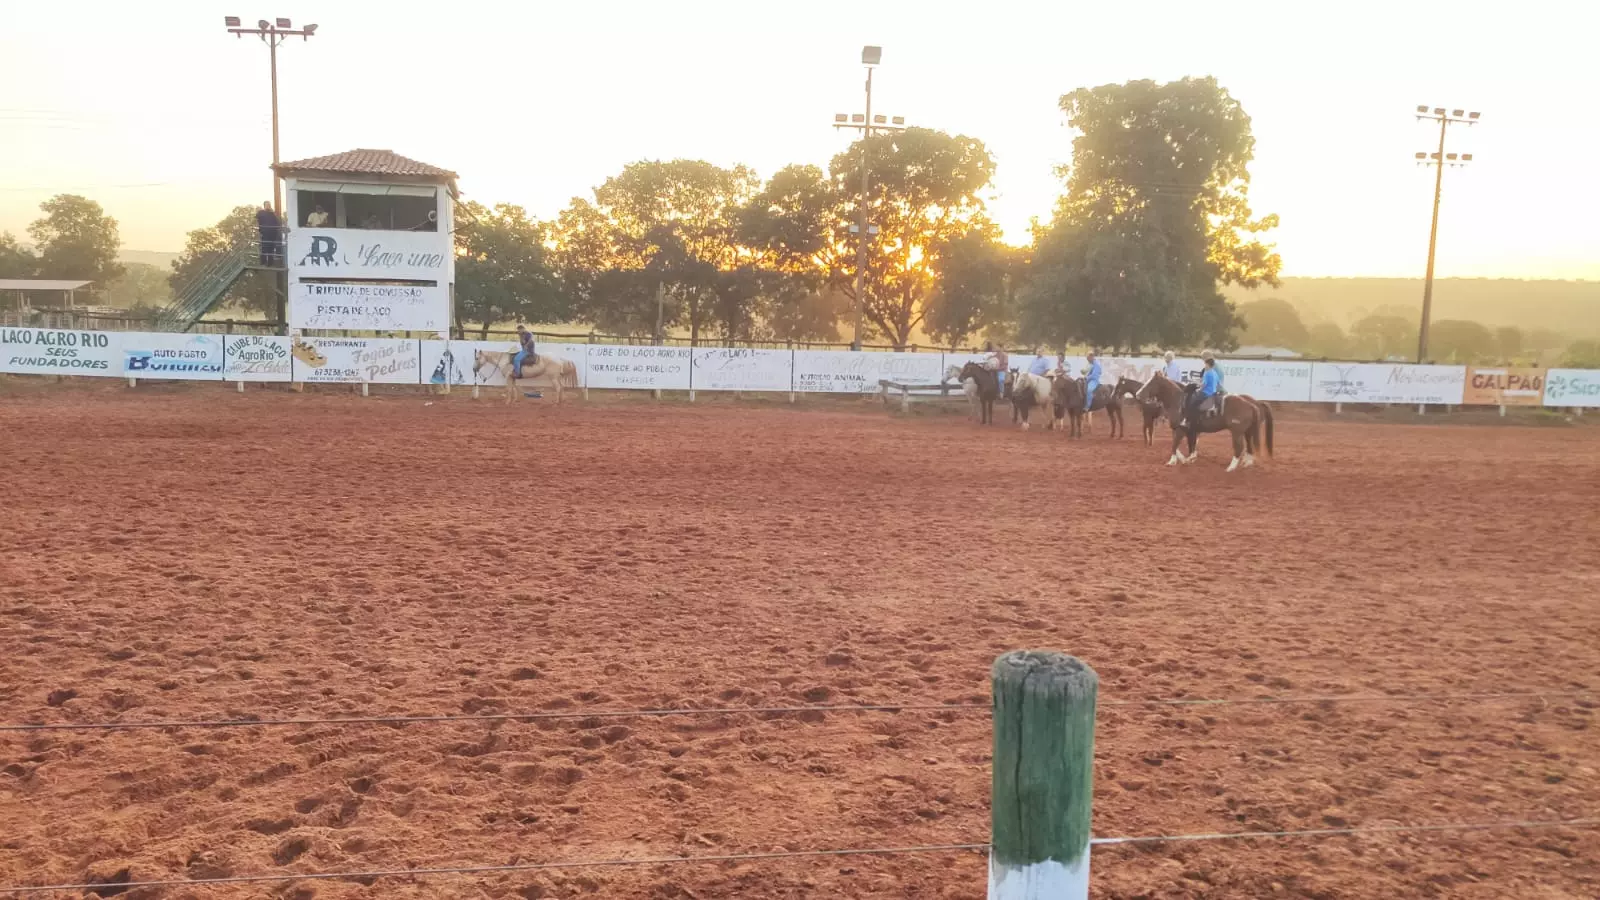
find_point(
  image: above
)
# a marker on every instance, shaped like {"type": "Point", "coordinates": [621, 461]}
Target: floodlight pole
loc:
{"type": "Point", "coordinates": [272, 34]}
{"type": "Point", "coordinates": [1439, 161]}
{"type": "Point", "coordinates": [861, 220]}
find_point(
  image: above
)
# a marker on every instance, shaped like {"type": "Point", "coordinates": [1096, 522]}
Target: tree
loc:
{"type": "Point", "coordinates": [141, 287]}
{"type": "Point", "coordinates": [502, 270]}
{"type": "Point", "coordinates": [77, 240]}
{"type": "Point", "coordinates": [16, 261]}
{"type": "Point", "coordinates": [971, 286]}
{"type": "Point", "coordinates": [1462, 341]}
{"type": "Point", "coordinates": [1272, 322]}
{"type": "Point", "coordinates": [1327, 340]}
{"type": "Point", "coordinates": [923, 196]}
{"type": "Point", "coordinates": [667, 225]}
{"type": "Point", "coordinates": [1383, 336]}
{"type": "Point", "coordinates": [1156, 214]}
{"type": "Point", "coordinates": [254, 292]}
{"type": "Point", "coordinates": [1581, 355]}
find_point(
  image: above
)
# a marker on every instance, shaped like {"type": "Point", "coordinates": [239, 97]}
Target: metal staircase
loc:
{"type": "Point", "coordinates": [200, 293]}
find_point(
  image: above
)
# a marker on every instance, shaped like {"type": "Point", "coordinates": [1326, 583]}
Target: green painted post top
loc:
{"type": "Point", "coordinates": [1044, 712]}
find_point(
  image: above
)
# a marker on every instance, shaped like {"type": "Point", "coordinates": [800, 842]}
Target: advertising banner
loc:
{"type": "Point", "coordinates": [1386, 383]}
{"type": "Point", "coordinates": [357, 253]}
{"type": "Point", "coordinates": [1572, 387]}
{"type": "Point", "coordinates": [850, 372]}
{"type": "Point", "coordinates": [741, 369]}
{"type": "Point", "coordinates": [1274, 380]}
{"type": "Point", "coordinates": [1503, 387]}
{"type": "Point", "coordinates": [41, 351]}
{"type": "Point", "coordinates": [353, 306]}
{"type": "Point", "coordinates": [646, 367]}
{"type": "Point", "coordinates": [458, 362]}
{"type": "Point", "coordinates": [166, 355]}
{"type": "Point", "coordinates": [356, 360]}
{"type": "Point", "coordinates": [256, 357]}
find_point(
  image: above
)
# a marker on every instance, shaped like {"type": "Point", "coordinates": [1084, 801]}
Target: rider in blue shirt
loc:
{"type": "Point", "coordinates": [1091, 382]}
{"type": "Point", "coordinates": [524, 351]}
{"type": "Point", "coordinates": [1040, 366]}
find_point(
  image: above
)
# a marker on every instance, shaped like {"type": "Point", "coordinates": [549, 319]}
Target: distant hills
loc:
{"type": "Point", "coordinates": [1571, 308]}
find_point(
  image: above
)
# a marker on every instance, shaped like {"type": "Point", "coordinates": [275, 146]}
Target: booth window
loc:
{"type": "Point", "coordinates": [370, 206]}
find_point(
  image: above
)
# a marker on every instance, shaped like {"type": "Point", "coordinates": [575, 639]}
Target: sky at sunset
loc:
{"type": "Point", "coordinates": [157, 113]}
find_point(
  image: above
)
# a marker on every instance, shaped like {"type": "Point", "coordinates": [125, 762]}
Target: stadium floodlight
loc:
{"type": "Point", "coordinates": [841, 117]}
{"type": "Point", "coordinates": [230, 21]}
{"type": "Point", "coordinates": [310, 29]}
{"type": "Point", "coordinates": [899, 120]}
{"type": "Point", "coordinates": [871, 56]}
{"type": "Point", "coordinates": [1472, 115]}
{"type": "Point", "coordinates": [1466, 157]}
{"type": "Point", "coordinates": [1422, 107]}
{"type": "Point", "coordinates": [1458, 113]}
{"type": "Point", "coordinates": [1422, 154]}
{"type": "Point", "coordinates": [285, 23]}
{"type": "Point", "coordinates": [857, 117]}
{"type": "Point", "coordinates": [1438, 110]}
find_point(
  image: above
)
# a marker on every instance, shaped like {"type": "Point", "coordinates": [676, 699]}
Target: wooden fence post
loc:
{"type": "Point", "coordinates": [1044, 706]}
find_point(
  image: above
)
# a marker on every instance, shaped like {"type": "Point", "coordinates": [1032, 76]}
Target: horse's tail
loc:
{"type": "Point", "coordinates": [1266, 418]}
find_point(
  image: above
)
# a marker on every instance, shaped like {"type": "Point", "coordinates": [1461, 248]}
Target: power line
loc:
{"type": "Point", "coordinates": [796, 854]}
{"type": "Point", "coordinates": [752, 710]}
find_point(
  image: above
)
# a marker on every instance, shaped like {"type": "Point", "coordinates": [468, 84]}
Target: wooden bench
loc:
{"type": "Point", "coordinates": [906, 389]}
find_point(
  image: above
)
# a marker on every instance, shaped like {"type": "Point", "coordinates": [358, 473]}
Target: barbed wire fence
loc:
{"type": "Point", "coordinates": [1585, 821]}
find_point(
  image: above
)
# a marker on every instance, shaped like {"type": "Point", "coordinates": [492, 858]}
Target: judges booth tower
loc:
{"type": "Point", "coordinates": [369, 244]}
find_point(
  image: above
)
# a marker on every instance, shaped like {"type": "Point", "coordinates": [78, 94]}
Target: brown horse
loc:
{"type": "Point", "coordinates": [1071, 391]}
{"type": "Point", "coordinates": [987, 383]}
{"type": "Point", "coordinates": [1127, 387]}
{"type": "Point", "coordinates": [1240, 415]}
{"type": "Point", "coordinates": [561, 372]}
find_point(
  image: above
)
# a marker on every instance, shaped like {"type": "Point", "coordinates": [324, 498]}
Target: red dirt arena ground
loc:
{"type": "Point", "coordinates": [187, 552]}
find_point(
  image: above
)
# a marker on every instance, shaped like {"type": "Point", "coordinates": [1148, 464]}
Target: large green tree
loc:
{"type": "Point", "coordinates": [1462, 341]}
{"type": "Point", "coordinates": [76, 240]}
{"type": "Point", "coordinates": [1383, 335]}
{"type": "Point", "coordinates": [1155, 217]}
{"type": "Point", "coordinates": [972, 286]}
{"type": "Point", "coordinates": [661, 236]}
{"type": "Point", "coordinates": [503, 271]}
{"type": "Point", "coordinates": [141, 287]}
{"type": "Point", "coordinates": [16, 261]}
{"type": "Point", "coordinates": [925, 193]}
{"type": "Point", "coordinates": [254, 293]}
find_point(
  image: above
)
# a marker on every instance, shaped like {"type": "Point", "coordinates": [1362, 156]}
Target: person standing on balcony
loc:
{"type": "Point", "coordinates": [318, 218]}
{"type": "Point", "coordinates": [270, 228]}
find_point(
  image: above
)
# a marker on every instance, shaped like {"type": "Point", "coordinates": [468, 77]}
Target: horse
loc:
{"type": "Point", "coordinates": [1104, 398]}
{"type": "Point", "coordinates": [561, 372]}
{"type": "Point", "coordinates": [969, 389]}
{"type": "Point", "coordinates": [1242, 416]}
{"type": "Point", "coordinates": [985, 384]}
{"type": "Point", "coordinates": [1127, 387]}
{"type": "Point", "coordinates": [1032, 392]}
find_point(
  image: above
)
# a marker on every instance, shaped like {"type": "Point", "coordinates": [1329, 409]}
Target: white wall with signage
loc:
{"type": "Point", "coordinates": [1270, 380]}
{"type": "Point", "coordinates": [165, 355]}
{"type": "Point", "coordinates": [840, 371]}
{"type": "Point", "coordinates": [742, 369]}
{"type": "Point", "coordinates": [646, 367]}
{"type": "Point", "coordinates": [357, 360]}
{"type": "Point", "coordinates": [256, 357]}
{"type": "Point", "coordinates": [371, 255]}
{"type": "Point", "coordinates": [1386, 383]}
{"type": "Point", "coordinates": [1572, 387]}
{"type": "Point", "coordinates": [356, 306]}
{"type": "Point", "coordinates": [42, 351]}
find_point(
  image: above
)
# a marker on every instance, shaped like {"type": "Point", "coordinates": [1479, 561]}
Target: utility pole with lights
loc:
{"type": "Point", "coordinates": [866, 124]}
{"type": "Point", "coordinates": [272, 34]}
{"type": "Point", "coordinates": [1439, 159]}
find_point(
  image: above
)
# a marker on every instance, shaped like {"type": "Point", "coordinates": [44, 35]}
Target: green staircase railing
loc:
{"type": "Point", "coordinates": [199, 293]}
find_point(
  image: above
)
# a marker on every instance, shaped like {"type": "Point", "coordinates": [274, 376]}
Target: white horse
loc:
{"type": "Point", "coordinates": [1038, 389]}
{"type": "Point", "coordinates": [968, 387]}
{"type": "Point", "coordinates": [560, 372]}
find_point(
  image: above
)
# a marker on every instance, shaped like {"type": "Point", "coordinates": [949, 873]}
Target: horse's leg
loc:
{"type": "Point", "coordinates": [1177, 455]}
{"type": "Point", "coordinates": [1238, 448]}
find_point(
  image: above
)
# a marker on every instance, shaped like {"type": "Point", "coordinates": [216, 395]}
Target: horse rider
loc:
{"type": "Point", "coordinates": [1091, 381]}
{"type": "Point", "coordinates": [997, 362]}
{"type": "Point", "coordinates": [525, 352]}
{"type": "Point", "coordinates": [1040, 365]}
{"type": "Point", "coordinates": [1173, 371]}
{"type": "Point", "coordinates": [1207, 399]}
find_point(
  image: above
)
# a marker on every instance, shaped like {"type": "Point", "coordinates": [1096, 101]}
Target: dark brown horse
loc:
{"type": "Point", "coordinates": [1071, 397]}
{"type": "Point", "coordinates": [988, 384]}
{"type": "Point", "coordinates": [1127, 387]}
{"type": "Point", "coordinates": [1240, 415]}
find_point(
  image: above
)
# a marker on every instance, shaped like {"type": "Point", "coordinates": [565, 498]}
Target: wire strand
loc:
{"type": "Point", "coordinates": [790, 854]}
{"type": "Point", "coordinates": [746, 710]}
